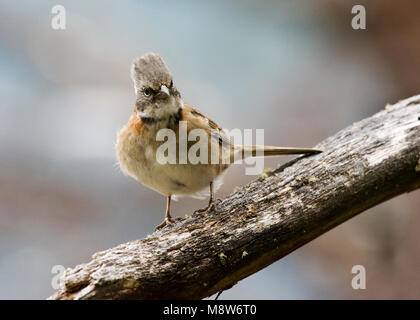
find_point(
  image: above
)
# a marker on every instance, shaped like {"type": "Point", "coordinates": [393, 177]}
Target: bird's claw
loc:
{"type": "Point", "coordinates": [167, 222]}
{"type": "Point", "coordinates": [210, 207]}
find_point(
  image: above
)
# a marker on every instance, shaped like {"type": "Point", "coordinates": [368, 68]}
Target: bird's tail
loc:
{"type": "Point", "coordinates": [269, 151]}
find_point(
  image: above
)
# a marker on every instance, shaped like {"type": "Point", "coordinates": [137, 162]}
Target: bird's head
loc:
{"type": "Point", "coordinates": [156, 96]}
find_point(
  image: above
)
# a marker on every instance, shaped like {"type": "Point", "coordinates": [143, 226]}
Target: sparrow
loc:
{"type": "Point", "coordinates": [159, 106]}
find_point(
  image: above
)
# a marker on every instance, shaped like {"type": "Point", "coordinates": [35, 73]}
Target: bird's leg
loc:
{"type": "Point", "coordinates": [168, 218]}
{"type": "Point", "coordinates": [212, 202]}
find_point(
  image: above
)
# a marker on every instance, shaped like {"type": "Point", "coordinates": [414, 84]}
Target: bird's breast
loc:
{"type": "Point", "coordinates": [136, 150]}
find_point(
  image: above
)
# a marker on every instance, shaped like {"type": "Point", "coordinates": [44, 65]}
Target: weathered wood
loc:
{"type": "Point", "coordinates": [365, 164]}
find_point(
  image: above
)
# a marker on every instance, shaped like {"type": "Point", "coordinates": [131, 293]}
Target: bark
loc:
{"type": "Point", "coordinates": [363, 165]}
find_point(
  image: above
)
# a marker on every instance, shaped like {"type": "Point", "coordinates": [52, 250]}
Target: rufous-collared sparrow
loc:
{"type": "Point", "coordinates": [159, 106]}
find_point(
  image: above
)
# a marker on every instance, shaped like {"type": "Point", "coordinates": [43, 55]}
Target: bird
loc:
{"type": "Point", "coordinates": [159, 107]}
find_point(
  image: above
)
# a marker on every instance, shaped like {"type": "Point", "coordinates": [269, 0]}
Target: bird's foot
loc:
{"type": "Point", "coordinates": [166, 222]}
{"type": "Point", "coordinates": [210, 207]}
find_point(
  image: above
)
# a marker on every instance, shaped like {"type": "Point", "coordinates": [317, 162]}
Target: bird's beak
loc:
{"type": "Point", "coordinates": [165, 90]}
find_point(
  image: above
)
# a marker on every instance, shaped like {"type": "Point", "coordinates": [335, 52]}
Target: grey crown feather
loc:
{"type": "Point", "coordinates": [150, 70]}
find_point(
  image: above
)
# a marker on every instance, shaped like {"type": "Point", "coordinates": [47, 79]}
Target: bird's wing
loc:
{"type": "Point", "coordinates": [196, 119]}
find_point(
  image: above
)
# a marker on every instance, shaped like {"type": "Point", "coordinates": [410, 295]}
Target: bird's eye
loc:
{"type": "Point", "coordinates": [147, 92]}
{"type": "Point", "coordinates": [171, 85]}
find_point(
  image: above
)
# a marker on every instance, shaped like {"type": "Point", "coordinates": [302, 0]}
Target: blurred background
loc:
{"type": "Point", "coordinates": [295, 68]}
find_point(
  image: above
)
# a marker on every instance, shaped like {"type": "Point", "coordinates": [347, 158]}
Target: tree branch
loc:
{"type": "Point", "coordinates": [365, 164]}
